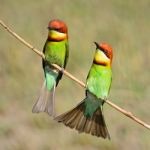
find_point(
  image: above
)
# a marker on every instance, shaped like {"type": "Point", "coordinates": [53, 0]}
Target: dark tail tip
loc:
{"type": "Point", "coordinates": [94, 125]}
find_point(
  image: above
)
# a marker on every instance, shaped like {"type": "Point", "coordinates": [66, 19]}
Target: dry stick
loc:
{"type": "Point", "coordinates": [128, 114]}
{"type": "Point", "coordinates": [21, 40]}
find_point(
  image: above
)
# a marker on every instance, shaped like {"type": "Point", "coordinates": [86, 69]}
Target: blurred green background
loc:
{"type": "Point", "coordinates": [123, 24]}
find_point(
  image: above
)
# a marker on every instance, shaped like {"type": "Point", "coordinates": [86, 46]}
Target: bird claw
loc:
{"type": "Point", "coordinates": [62, 70]}
{"type": "Point", "coordinates": [104, 100]}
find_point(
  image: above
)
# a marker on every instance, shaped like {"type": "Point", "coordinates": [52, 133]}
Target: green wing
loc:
{"type": "Point", "coordinates": [67, 54]}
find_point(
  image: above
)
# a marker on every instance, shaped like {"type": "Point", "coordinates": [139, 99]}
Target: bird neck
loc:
{"type": "Point", "coordinates": [56, 36]}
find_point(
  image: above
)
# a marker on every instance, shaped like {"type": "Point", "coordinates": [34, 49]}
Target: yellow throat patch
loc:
{"type": "Point", "coordinates": [55, 35]}
{"type": "Point", "coordinates": [101, 58]}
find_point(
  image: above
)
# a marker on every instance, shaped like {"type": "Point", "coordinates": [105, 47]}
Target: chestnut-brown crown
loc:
{"type": "Point", "coordinates": [106, 48]}
{"type": "Point", "coordinates": [58, 25]}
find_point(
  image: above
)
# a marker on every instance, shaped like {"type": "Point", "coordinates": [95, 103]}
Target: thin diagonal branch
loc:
{"type": "Point", "coordinates": [126, 113]}
{"type": "Point", "coordinates": [21, 39]}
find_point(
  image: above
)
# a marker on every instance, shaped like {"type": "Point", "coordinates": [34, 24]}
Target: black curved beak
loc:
{"type": "Point", "coordinates": [97, 46]}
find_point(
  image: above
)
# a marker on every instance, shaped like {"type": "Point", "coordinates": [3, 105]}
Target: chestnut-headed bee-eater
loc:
{"type": "Point", "coordinates": [56, 51]}
{"type": "Point", "coordinates": [87, 116]}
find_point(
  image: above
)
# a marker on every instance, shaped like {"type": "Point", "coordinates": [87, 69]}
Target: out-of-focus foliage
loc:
{"type": "Point", "coordinates": [123, 24]}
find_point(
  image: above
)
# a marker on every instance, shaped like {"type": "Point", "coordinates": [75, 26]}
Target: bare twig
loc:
{"type": "Point", "coordinates": [127, 113]}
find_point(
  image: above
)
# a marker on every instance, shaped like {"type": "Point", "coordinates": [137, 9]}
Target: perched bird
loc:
{"type": "Point", "coordinates": [87, 116]}
{"type": "Point", "coordinates": [56, 52]}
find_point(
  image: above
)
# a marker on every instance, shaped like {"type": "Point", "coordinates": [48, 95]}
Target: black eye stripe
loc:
{"type": "Point", "coordinates": [57, 29]}
{"type": "Point", "coordinates": [105, 52]}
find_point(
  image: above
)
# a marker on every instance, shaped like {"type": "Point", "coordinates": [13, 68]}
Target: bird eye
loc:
{"type": "Point", "coordinates": [57, 29]}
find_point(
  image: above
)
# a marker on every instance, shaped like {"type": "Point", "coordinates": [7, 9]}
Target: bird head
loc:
{"type": "Point", "coordinates": [57, 30]}
{"type": "Point", "coordinates": [104, 54]}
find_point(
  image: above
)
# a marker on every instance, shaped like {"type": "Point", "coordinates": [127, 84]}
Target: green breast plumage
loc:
{"type": "Point", "coordinates": [55, 52]}
{"type": "Point", "coordinates": [99, 80]}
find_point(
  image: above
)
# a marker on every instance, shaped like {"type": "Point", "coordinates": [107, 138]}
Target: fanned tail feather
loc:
{"type": "Point", "coordinates": [94, 125]}
{"type": "Point", "coordinates": [45, 102]}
